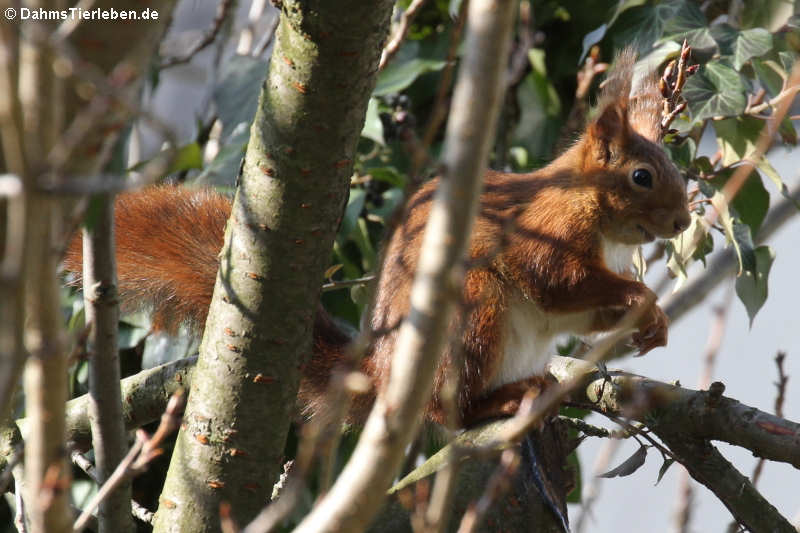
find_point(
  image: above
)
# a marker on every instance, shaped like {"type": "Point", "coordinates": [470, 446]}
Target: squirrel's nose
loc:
{"type": "Point", "coordinates": [682, 221]}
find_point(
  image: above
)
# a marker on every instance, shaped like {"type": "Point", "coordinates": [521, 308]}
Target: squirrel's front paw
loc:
{"type": "Point", "coordinates": [652, 330]}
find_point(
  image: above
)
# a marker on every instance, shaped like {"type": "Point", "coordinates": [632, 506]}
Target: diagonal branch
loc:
{"type": "Point", "coordinates": [687, 420]}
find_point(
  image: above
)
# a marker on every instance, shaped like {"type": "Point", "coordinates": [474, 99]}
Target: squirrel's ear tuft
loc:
{"type": "Point", "coordinates": [610, 128]}
{"type": "Point", "coordinates": [626, 104]}
{"type": "Point", "coordinates": [644, 109]}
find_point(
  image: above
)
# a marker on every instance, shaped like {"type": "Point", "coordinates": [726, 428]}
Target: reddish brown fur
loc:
{"type": "Point", "coordinates": [539, 235]}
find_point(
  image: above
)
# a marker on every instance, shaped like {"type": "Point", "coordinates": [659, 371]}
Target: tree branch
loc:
{"type": "Point", "coordinates": [686, 420]}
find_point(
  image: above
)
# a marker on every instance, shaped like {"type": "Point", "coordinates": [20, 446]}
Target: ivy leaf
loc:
{"type": "Point", "coordinates": [751, 203]}
{"type": "Point", "coordinates": [664, 468]}
{"type": "Point", "coordinates": [629, 466]}
{"type": "Point", "coordinates": [788, 60]}
{"type": "Point", "coordinates": [355, 204]}
{"type": "Point", "coordinates": [736, 233]}
{"type": "Point", "coordinates": [236, 95]}
{"type": "Point", "coordinates": [716, 90]}
{"type": "Point", "coordinates": [591, 39]}
{"type": "Point", "coordinates": [741, 45]}
{"type": "Point", "coordinates": [406, 67]}
{"type": "Point", "coordinates": [373, 127]}
{"type": "Point", "coordinates": [682, 153]}
{"type": "Point", "coordinates": [770, 74]}
{"type": "Point", "coordinates": [684, 246]}
{"type": "Point", "coordinates": [737, 138]}
{"type": "Point", "coordinates": [689, 23]}
{"type": "Point", "coordinates": [764, 12]}
{"type": "Point", "coordinates": [647, 24]}
{"type": "Point", "coordinates": [750, 43]}
{"type": "Point", "coordinates": [766, 167]}
{"type": "Point", "coordinates": [751, 285]}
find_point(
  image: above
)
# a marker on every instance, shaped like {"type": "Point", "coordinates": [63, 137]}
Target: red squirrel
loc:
{"type": "Point", "coordinates": [549, 255]}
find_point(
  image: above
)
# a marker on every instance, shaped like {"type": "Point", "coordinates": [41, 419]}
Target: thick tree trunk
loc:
{"type": "Point", "coordinates": [292, 193]}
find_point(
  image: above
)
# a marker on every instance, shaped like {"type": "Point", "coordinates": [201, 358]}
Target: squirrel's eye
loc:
{"type": "Point", "coordinates": [643, 178]}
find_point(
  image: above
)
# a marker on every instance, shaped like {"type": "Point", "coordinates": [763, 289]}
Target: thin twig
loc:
{"type": "Point", "coordinates": [394, 43]}
{"type": "Point", "coordinates": [82, 462]}
{"type": "Point", "coordinates": [223, 9]}
{"type": "Point", "coordinates": [780, 395]}
{"type": "Point", "coordinates": [422, 155]}
{"type": "Point", "coordinates": [345, 283]}
{"type": "Point", "coordinates": [144, 450]}
{"type": "Point", "coordinates": [19, 514]}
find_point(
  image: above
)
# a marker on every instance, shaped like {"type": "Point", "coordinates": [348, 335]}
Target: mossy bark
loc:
{"type": "Point", "coordinates": [288, 205]}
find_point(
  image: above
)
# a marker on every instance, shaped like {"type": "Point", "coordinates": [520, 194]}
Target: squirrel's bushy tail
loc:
{"type": "Point", "coordinates": [168, 243]}
{"type": "Point", "coordinates": [168, 239]}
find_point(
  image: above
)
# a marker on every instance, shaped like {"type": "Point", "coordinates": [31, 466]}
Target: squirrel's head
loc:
{"type": "Point", "coordinates": [642, 194]}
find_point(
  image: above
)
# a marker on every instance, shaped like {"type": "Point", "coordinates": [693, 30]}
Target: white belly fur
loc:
{"type": "Point", "coordinates": [530, 334]}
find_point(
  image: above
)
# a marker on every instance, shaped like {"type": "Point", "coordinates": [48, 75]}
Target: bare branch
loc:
{"type": "Point", "coordinates": [144, 450]}
{"type": "Point", "coordinates": [101, 305]}
{"type": "Point", "coordinates": [779, 398]}
{"type": "Point", "coordinates": [209, 36]}
{"type": "Point", "coordinates": [686, 421]}
{"type": "Point", "coordinates": [400, 32]}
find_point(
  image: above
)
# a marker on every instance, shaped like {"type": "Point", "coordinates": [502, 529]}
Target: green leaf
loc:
{"type": "Point", "coordinates": [223, 169]}
{"type": "Point", "coordinates": [369, 256]}
{"type": "Point", "coordinates": [750, 43]}
{"type": "Point", "coordinates": [766, 167]}
{"type": "Point", "coordinates": [130, 336]}
{"type": "Point", "coordinates": [392, 198]}
{"type": "Point", "coordinates": [682, 153]}
{"type": "Point", "coordinates": [486, 435]}
{"type": "Point", "coordinates": [188, 157]}
{"type": "Point", "coordinates": [788, 59]}
{"type": "Point", "coordinates": [406, 67]}
{"type": "Point", "coordinates": [751, 203]}
{"type": "Point", "coordinates": [683, 246]}
{"type": "Point", "coordinates": [736, 233]}
{"type": "Point", "coordinates": [751, 285]}
{"type": "Point", "coordinates": [741, 45]}
{"type": "Point", "coordinates": [771, 75]}
{"type": "Point", "coordinates": [388, 175]}
{"type": "Point", "coordinates": [737, 137]}
{"type": "Point", "coordinates": [236, 94]}
{"type": "Point", "coordinates": [671, 20]}
{"type": "Point", "coordinates": [591, 39]}
{"type": "Point", "coordinates": [629, 466]}
{"type": "Point", "coordinates": [355, 204]}
{"type": "Point", "coordinates": [716, 90]}
{"type": "Point", "coordinates": [764, 13]}
{"type": "Point", "coordinates": [373, 127]}
{"type": "Point", "coordinates": [664, 467]}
